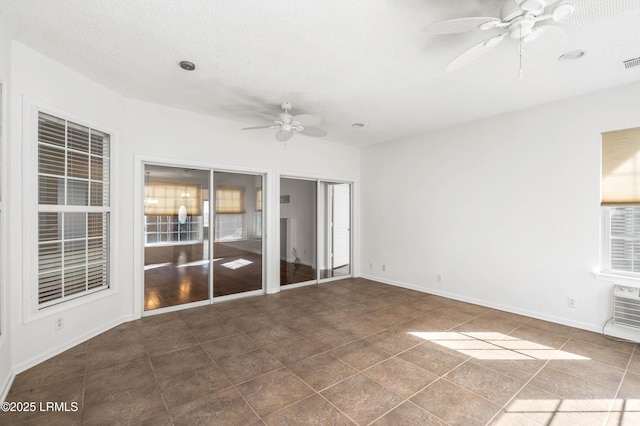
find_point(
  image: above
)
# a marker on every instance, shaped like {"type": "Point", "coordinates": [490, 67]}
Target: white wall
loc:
{"type": "Point", "coordinates": [5, 340]}
{"type": "Point", "coordinates": [155, 132]}
{"type": "Point", "coordinates": [506, 209]}
{"type": "Point", "coordinates": [142, 131]}
{"type": "Point", "coordinates": [35, 78]}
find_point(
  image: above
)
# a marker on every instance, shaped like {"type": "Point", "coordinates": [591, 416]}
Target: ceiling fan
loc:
{"type": "Point", "coordinates": [288, 124]}
{"type": "Point", "coordinates": [524, 21]}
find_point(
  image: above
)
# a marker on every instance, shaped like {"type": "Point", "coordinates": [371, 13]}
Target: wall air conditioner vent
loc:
{"type": "Point", "coordinates": [631, 63]}
{"type": "Point", "coordinates": [626, 306]}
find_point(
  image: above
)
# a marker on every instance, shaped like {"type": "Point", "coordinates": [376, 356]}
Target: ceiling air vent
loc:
{"type": "Point", "coordinates": [631, 63]}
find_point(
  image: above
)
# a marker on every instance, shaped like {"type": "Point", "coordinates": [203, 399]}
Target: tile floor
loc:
{"type": "Point", "coordinates": [348, 352]}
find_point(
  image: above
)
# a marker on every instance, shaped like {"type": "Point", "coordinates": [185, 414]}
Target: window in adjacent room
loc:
{"type": "Point", "coordinates": [230, 214]}
{"type": "Point", "coordinates": [73, 210]}
{"type": "Point", "coordinates": [620, 187]}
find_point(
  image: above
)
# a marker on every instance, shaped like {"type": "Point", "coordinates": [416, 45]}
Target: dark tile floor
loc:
{"type": "Point", "coordinates": [347, 352]}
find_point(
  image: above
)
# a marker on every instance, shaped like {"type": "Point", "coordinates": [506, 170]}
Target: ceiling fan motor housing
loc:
{"type": "Point", "coordinates": [512, 9]}
{"type": "Point", "coordinates": [532, 5]}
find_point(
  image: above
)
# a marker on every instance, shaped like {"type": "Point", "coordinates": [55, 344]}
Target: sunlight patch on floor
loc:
{"type": "Point", "coordinates": [236, 264]}
{"type": "Point", "coordinates": [571, 411]}
{"type": "Point", "coordinates": [496, 346]}
{"type": "Point", "coordinates": [156, 265]}
{"type": "Point", "coordinates": [196, 263]}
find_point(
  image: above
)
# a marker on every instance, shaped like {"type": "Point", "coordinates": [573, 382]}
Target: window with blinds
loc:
{"type": "Point", "coordinates": [73, 210]}
{"type": "Point", "coordinates": [620, 190]}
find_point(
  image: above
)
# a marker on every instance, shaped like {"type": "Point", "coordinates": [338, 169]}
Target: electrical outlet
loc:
{"type": "Point", "coordinates": [59, 323]}
{"type": "Point", "coordinates": [370, 265]}
{"type": "Point", "coordinates": [384, 268]}
{"type": "Point", "coordinates": [571, 302]}
{"type": "Point", "coordinates": [439, 278]}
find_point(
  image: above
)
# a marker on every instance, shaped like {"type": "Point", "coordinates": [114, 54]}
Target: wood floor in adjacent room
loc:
{"type": "Point", "coordinates": [347, 352]}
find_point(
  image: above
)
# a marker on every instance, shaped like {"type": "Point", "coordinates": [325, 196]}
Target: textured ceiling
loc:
{"type": "Point", "coordinates": [347, 61]}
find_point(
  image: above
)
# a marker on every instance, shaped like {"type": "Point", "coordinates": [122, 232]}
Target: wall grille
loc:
{"type": "Point", "coordinates": [626, 306]}
{"type": "Point", "coordinates": [631, 63]}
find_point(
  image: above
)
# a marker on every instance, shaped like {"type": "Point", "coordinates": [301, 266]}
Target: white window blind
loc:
{"type": "Point", "coordinates": [73, 210]}
{"type": "Point", "coordinates": [624, 239]}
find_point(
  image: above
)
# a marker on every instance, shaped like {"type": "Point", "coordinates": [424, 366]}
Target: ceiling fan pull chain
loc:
{"type": "Point", "coordinates": [520, 52]}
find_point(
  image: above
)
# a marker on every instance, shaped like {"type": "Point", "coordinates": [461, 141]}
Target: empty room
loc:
{"type": "Point", "coordinates": [399, 212]}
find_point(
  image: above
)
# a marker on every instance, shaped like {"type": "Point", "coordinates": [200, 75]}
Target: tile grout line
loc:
{"type": "Point", "coordinates": [504, 407]}
{"type": "Point", "coordinates": [624, 375]}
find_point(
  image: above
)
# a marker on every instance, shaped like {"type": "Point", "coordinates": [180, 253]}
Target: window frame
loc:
{"type": "Point", "coordinates": [606, 264]}
{"type": "Point", "coordinates": [3, 233]}
{"type": "Point", "coordinates": [619, 175]}
{"type": "Point", "coordinates": [33, 310]}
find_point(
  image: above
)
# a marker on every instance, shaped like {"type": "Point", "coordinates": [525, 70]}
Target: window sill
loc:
{"type": "Point", "coordinates": [617, 279]}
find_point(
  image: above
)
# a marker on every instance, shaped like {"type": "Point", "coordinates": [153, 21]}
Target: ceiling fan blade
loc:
{"type": "Point", "coordinates": [263, 116]}
{"type": "Point", "coordinates": [269, 126]}
{"type": "Point", "coordinates": [313, 131]}
{"type": "Point", "coordinates": [460, 25]}
{"type": "Point", "coordinates": [284, 135]}
{"type": "Point", "coordinates": [590, 10]}
{"type": "Point", "coordinates": [474, 52]}
{"type": "Point", "coordinates": [307, 119]}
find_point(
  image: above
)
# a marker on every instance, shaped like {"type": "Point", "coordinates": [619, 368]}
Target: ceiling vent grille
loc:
{"type": "Point", "coordinates": [631, 63]}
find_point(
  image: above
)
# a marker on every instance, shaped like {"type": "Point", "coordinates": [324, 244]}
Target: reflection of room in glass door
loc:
{"type": "Point", "coordinates": [176, 262]}
{"type": "Point", "coordinates": [237, 247]}
{"type": "Point", "coordinates": [297, 231]}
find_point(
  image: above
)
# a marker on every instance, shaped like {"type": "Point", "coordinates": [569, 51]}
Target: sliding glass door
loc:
{"type": "Point", "coordinates": [298, 241]}
{"type": "Point", "coordinates": [188, 228]}
{"type": "Point", "coordinates": [237, 247]}
{"type": "Point", "coordinates": [315, 230]}
{"type": "Point", "coordinates": [335, 258]}
{"type": "Point", "coordinates": [176, 246]}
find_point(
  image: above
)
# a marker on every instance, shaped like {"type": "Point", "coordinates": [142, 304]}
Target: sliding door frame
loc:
{"type": "Point", "coordinates": [140, 161]}
{"type": "Point", "coordinates": [328, 229]}
{"type": "Point", "coordinates": [320, 229]}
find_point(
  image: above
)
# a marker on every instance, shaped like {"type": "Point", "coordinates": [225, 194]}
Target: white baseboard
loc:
{"type": "Point", "coordinates": [7, 386]}
{"type": "Point", "coordinates": [32, 362]}
{"type": "Point", "coordinates": [493, 305]}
